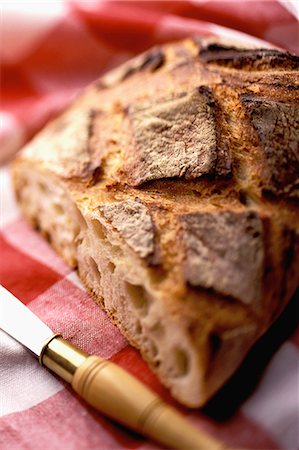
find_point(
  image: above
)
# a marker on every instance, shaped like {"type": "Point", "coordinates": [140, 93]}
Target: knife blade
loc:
{"type": "Point", "coordinates": [101, 383]}
{"type": "Point", "coordinates": [20, 323]}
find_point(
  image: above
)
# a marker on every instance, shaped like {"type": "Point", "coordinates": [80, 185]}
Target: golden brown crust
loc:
{"type": "Point", "coordinates": [183, 166]}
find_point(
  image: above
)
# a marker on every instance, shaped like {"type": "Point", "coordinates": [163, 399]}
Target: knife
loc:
{"type": "Point", "coordinates": [102, 384]}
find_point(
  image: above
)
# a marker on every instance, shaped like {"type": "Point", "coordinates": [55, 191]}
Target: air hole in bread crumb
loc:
{"type": "Point", "coordinates": [81, 220]}
{"type": "Point", "coordinates": [215, 344]}
{"type": "Point", "coordinates": [116, 251]}
{"type": "Point", "coordinates": [246, 199]}
{"type": "Point", "coordinates": [243, 197]}
{"type": "Point", "coordinates": [58, 209]}
{"type": "Point", "coordinates": [98, 229]}
{"type": "Point", "coordinates": [138, 327]}
{"type": "Point", "coordinates": [158, 330]}
{"type": "Point", "coordinates": [138, 296]}
{"type": "Point", "coordinates": [42, 186]}
{"type": "Point", "coordinates": [94, 269]}
{"type": "Point", "coordinates": [153, 351]}
{"type": "Point", "coordinates": [111, 267]}
{"type": "Point", "coordinates": [47, 236]}
{"type": "Point", "coordinates": [181, 361]}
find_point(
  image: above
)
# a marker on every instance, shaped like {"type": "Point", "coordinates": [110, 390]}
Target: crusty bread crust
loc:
{"type": "Point", "coordinates": [172, 184]}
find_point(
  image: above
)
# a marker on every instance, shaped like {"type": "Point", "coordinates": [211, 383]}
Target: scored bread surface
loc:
{"type": "Point", "coordinates": [172, 183]}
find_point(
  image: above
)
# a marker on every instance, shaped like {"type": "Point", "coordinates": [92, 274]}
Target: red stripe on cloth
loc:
{"type": "Point", "coordinates": [25, 277]}
{"type": "Point", "coordinates": [68, 422]}
{"type": "Point", "coordinates": [119, 27]}
{"type": "Point", "coordinates": [15, 84]}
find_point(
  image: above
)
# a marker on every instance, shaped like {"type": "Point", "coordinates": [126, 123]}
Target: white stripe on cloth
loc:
{"type": "Point", "coordinates": [8, 208]}
{"type": "Point", "coordinates": [275, 404]}
{"type": "Point", "coordinates": [292, 6]}
{"type": "Point", "coordinates": [73, 278]}
{"type": "Point", "coordinates": [12, 136]}
{"type": "Point", "coordinates": [35, 19]}
{"type": "Point", "coordinates": [23, 382]}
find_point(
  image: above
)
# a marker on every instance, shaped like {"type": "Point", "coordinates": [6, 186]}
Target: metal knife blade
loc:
{"type": "Point", "coordinates": [21, 324]}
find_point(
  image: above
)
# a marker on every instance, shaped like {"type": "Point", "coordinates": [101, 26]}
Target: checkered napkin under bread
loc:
{"type": "Point", "coordinates": [48, 55]}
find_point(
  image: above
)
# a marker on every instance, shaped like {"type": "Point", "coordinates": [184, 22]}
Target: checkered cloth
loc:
{"type": "Point", "coordinates": [50, 50]}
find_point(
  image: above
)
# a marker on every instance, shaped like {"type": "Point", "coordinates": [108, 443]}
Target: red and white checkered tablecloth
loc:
{"type": "Point", "coordinates": [49, 50]}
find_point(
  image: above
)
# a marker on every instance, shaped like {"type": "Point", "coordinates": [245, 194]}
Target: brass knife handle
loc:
{"type": "Point", "coordinates": [119, 395]}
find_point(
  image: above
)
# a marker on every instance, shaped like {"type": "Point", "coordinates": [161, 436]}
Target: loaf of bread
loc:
{"type": "Point", "coordinates": [172, 184]}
